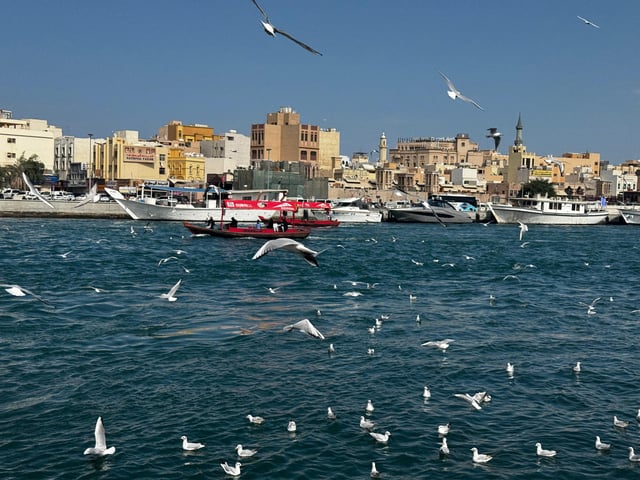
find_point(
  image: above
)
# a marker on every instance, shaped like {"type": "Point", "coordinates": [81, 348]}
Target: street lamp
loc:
{"type": "Point", "coordinates": [89, 167]}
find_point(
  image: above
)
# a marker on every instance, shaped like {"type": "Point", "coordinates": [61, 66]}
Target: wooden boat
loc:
{"type": "Point", "coordinates": [228, 231]}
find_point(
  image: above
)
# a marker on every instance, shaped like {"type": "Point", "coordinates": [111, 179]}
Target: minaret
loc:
{"type": "Point", "coordinates": [518, 141]}
{"type": "Point", "coordinates": [382, 148]}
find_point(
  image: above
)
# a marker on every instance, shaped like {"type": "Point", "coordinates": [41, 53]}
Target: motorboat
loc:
{"type": "Point", "coordinates": [355, 210]}
{"type": "Point", "coordinates": [550, 211]}
{"type": "Point", "coordinates": [434, 210]}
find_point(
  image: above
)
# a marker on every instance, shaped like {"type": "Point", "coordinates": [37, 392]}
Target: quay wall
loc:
{"type": "Point", "coordinates": [62, 209]}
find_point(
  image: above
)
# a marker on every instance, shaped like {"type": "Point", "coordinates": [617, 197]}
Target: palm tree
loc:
{"type": "Point", "coordinates": [538, 187]}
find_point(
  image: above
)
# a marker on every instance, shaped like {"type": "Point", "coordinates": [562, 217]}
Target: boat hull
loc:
{"type": "Point", "coordinates": [505, 214]}
{"type": "Point", "coordinates": [630, 216]}
{"type": "Point", "coordinates": [428, 215]}
{"type": "Point", "coordinates": [247, 232]}
{"type": "Point", "coordinates": [356, 215]}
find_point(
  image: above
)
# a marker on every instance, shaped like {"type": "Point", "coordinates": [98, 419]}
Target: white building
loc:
{"type": "Point", "coordinates": [621, 181]}
{"type": "Point", "coordinates": [26, 137]}
{"type": "Point", "coordinates": [227, 154]}
{"type": "Point", "coordinates": [72, 160]}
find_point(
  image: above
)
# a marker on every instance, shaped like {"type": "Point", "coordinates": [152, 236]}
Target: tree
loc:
{"type": "Point", "coordinates": [538, 187]}
{"type": "Point", "coordinates": [11, 175]}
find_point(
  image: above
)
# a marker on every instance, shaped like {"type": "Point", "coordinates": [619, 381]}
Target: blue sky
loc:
{"type": "Point", "coordinates": [97, 67]}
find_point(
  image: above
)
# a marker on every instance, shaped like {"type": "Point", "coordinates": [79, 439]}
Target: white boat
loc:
{"type": "Point", "coordinates": [432, 211]}
{"type": "Point", "coordinates": [197, 205]}
{"type": "Point", "coordinates": [550, 211]}
{"type": "Point", "coordinates": [630, 215]}
{"type": "Point", "coordinates": [354, 210]}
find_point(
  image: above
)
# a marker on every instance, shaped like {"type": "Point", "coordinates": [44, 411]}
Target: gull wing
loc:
{"type": "Point", "coordinates": [264, 14]}
{"type": "Point", "coordinates": [18, 291]}
{"type": "Point", "coordinates": [288, 244]}
{"type": "Point", "coordinates": [290, 37]}
{"type": "Point", "coordinates": [101, 440]}
{"type": "Point", "coordinates": [469, 100]}
{"type": "Point", "coordinates": [33, 190]}
{"type": "Point", "coordinates": [90, 196]}
{"type": "Point", "coordinates": [175, 288]}
{"type": "Point", "coordinates": [305, 326]}
{"type": "Point", "coordinates": [450, 84]}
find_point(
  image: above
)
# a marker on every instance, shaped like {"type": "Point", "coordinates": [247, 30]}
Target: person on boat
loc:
{"type": "Point", "coordinates": [285, 224]}
{"type": "Point", "coordinates": [270, 222]}
{"type": "Point", "coordinates": [234, 222]}
{"type": "Point", "coordinates": [210, 222]}
{"type": "Point", "coordinates": [258, 225]}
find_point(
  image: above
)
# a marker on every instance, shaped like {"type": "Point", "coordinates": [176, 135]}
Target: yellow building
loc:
{"type": "Point", "coordinates": [176, 131]}
{"type": "Point", "coordinates": [127, 161]}
{"type": "Point", "coordinates": [185, 166]}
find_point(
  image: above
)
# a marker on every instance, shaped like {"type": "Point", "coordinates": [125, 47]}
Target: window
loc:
{"type": "Point", "coordinates": [11, 140]}
{"type": "Point", "coordinates": [11, 155]}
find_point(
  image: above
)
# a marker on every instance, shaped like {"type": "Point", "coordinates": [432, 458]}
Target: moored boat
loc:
{"type": "Point", "coordinates": [630, 215]}
{"type": "Point", "coordinates": [354, 210]}
{"type": "Point", "coordinates": [550, 211]}
{"type": "Point", "coordinates": [432, 211]}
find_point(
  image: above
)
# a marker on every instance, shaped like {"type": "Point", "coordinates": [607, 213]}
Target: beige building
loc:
{"type": "Point", "coordinates": [26, 137]}
{"type": "Point", "coordinates": [176, 131]}
{"type": "Point", "coordinates": [125, 160]}
{"type": "Point", "coordinates": [284, 138]}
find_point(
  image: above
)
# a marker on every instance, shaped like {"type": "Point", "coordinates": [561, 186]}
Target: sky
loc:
{"type": "Point", "coordinates": [98, 67]}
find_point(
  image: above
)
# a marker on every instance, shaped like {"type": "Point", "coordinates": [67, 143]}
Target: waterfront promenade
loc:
{"type": "Point", "coordinates": [62, 209]}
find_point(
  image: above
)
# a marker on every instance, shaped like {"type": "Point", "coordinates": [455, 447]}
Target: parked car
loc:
{"type": "Point", "coordinates": [11, 193]}
{"type": "Point", "coordinates": [29, 196]}
{"type": "Point", "coordinates": [62, 195]}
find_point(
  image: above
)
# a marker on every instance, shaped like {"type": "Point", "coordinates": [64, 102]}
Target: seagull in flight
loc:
{"type": "Point", "coordinates": [170, 294]}
{"type": "Point", "coordinates": [454, 93]}
{"type": "Point", "coordinates": [305, 326]}
{"type": "Point", "coordinates": [523, 229]}
{"type": "Point", "coordinates": [587, 22]}
{"type": "Point", "coordinates": [270, 29]}
{"type": "Point", "coordinates": [496, 135]}
{"type": "Point", "coordinates": [34, 191]}
{"type": "Point", "coordinates": [441, 344]}
{"type": "Point", "coordinates": [18, 291]}
{"type": "Point", "coordinates": [291, 245]}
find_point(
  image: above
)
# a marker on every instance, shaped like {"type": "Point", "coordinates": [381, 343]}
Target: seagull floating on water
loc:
{"type": "Point", "coordinates": [366, 424]}
{"type": "Point", "coordinates": [374, 470]}
{"type": "Point", "coordinates": [234, 471]}
{"type": "Point", "coordinates": [541, 452]}
{"type": "Point", "coordinates": [330, 414]}
{"type": "Point", "coordinates": [454, 93]}
{"type": "Point", "coordinates": [480, 457]}
{"type": "Point", "coordinates": [332, 348]}
{"type": "Point", "coordinates": [633, 457]}
{"type": "Point", "coordinates": [305, 326]}
{"type": "Point", "coordinates": [380, 437]}
{"type": "Point", "coordinates": [290, 245]}
{"type": "Point", "coordinates": [444, 429]}
{"type": "Point", "coordinates": [426, 394]}
{"type": "Point", "coordinates": [510, 369]}
{"type": "Point", "coordinates": [187, 445]}
{"type": "Point", "coordinates": [100, 448]}
{"type": "Point", "coordinates": [369, 408]}
{"type": "Point", "coordinates": [255, 420]}
{"type": "Point", "coordinates": [587, 22]}
{"type": "Point", "coordinates": [291, 426]}
{"type": "Point", "coordinates": [245, 452]}
{"type": "Point", "coordinates": [170, 294]}
{"type": "Point", "coordinates": [603, 447]}
{"type": "Point", "coordinates": [577, 368]}
{"type": "Point", "coordinates": [272, 30]}
{"type": "Point", "coordinates": [619, 423]}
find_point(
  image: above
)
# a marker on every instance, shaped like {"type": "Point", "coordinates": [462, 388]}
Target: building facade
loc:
{"type": "Point", "coordinates": [26, 137]}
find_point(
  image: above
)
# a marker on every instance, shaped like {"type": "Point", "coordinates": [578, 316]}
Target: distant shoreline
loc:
{"type": "Point", "coordinates": [62, 209]}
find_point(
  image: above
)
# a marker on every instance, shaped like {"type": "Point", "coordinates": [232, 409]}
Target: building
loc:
{"type": "Point", "coordinates": [125, 160]}
{"type": "Point", "coordinates": [284, 138]}
{"type": "Point", "coordinates": [229, 152]}
{"type": "Point", "coordinates": [175, 131]}
{"type": "Point", "coordinates": [26, 138]}
{"type": "Point", "coordinates": [71, 162]}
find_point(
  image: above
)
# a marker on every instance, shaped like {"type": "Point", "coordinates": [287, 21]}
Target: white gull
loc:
{"type": "Point", "coordinates": [245, 452]}
{"type": "Point", "coordinates": [187, 445]}
{"type": "Point", "coordinates": [100, 448]}
{"type": "Point", "coordinates": [305, 326]}
{"type": "Point", "coordinates": [290, 245]}
{"type": "Point", "coordinates": [234, 471]}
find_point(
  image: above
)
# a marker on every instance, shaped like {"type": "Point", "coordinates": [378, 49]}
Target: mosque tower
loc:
{"type": "Point", "coordinates": [382, 148]}
{"type": "Point", "coordinates": [518, 142]}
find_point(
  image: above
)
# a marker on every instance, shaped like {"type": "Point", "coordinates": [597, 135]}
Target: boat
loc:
{"type": "Point", "coordinates": [161, 202]}
{"type": "Point", "coordinates": [306, 214]}
{"type": "Point", "coordinates": [550, 211]}
{"type": "Point", "coordinates": [228, 231]}
{"type": "Point", "coordinates": [630, 215]}
{"type": "Point", "coordinates": [433, 210]}
{"type": "Point", "coordinates": [355, 210]}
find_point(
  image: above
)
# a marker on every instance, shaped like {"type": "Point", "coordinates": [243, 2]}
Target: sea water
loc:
{"type": "Point", "coordinates": [155, 370]}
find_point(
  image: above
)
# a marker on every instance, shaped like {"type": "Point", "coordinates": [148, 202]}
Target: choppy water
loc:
{"type": "Point", "coordinates": [156, 370]}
